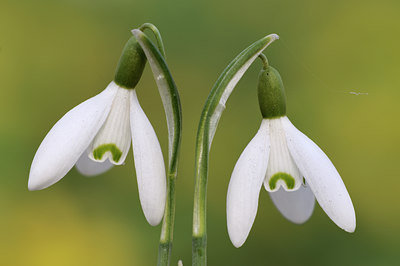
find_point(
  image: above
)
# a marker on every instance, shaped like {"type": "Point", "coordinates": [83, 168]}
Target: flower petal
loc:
{"type": "Point", "coordinates": [282, 170]}
{"type": "Point", "coordinates": [245, 184]}
{"type": "Point", "coordinates": [114, 139]}
{"type": "Point", "coordinates": [149, 164]}
{"type": "Point", "coordinates": [88, 167]}
{"type": "Point", "coordinates": [322, 177]}
{"type": "Point", "coordinates": [296, 206]}
{"type": "Point", "coordinates": [68, 139]}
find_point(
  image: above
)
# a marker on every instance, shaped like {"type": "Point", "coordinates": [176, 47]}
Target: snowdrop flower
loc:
{"type": "Point", "coordinates": [97, 134]}
{"type": "Point", "coordinates": [292, 168]}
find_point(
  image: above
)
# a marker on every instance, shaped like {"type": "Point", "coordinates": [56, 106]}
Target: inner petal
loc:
{"type": "Point", "coordinates": [281, 171]}
{"type": "Point", "coordinates": [114, 138]}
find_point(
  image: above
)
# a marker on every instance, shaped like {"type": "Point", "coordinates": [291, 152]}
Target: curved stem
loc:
{"type": "Point", "coordinates": [172, 106]}
{"type": "Point", "coordinates": [264, 59]}
{"type": "Point", "coordinates": [210, 116]}
{"type": "Point", "coordinates": [157, 34]}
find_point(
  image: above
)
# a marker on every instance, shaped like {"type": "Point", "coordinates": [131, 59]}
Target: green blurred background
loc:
{"type": "Point", "coordinates": [55, 54]}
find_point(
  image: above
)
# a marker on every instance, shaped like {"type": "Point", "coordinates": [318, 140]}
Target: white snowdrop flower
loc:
{"type": "Point", "coordinates": [97, 134]}
{"type": "Point", "coordinates": [292, 168]}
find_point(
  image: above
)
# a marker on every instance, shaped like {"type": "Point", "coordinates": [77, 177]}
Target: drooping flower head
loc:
{"type": "Point", "coordinates": [292, 168]}
{"type": "Point", "coordinates": [97, 134]}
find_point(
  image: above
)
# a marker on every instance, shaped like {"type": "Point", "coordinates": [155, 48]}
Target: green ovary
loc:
{"type": "Point", "coordinates": [289, 180]}
{"type": "Point", "coordinates": [111, 147]}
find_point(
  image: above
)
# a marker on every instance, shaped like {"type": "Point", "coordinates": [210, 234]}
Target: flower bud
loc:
{"type": "Point", "coordinates": [131, 65]}
{"type": "Point", "coordinates": [271, 93]}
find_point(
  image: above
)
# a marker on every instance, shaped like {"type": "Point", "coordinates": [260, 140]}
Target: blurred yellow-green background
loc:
{"type": "Point", "coordinates": [55, 54]}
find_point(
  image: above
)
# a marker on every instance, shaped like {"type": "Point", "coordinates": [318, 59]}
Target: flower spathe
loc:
{"type": "Point", "coordinates": [292, 168]}
{"type": "Point", "coordinates": [97, 134]}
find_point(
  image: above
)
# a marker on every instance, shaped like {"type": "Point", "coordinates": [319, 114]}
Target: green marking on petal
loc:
{"type": "Point", "coordinates": [289, 180]}
{"type": "Point", "coordinates": [111, 147]}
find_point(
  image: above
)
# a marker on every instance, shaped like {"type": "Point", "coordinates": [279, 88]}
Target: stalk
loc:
{"type": "Point", "coordinates": [172, 106]}
{"type": "Point", "coordinates": [209, 119]}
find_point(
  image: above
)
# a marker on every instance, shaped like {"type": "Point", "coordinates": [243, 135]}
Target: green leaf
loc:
{"type": "Point", "coordinates": [168, 92]}
{"type": "Point", "coordinates": [227, 81]}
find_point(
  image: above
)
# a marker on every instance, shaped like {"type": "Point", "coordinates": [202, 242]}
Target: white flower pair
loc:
{"type": "Point", "coordinates": [97, 134]}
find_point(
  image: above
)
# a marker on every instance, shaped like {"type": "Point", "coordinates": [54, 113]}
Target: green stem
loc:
{"type": "Point", "coordinates": [172, 106]}
{"type": "Point", "coordinates": [157, 34]}
{"type": "Point", "coordinates": [166, 239]}
{"type": "Point", "coordinates": [264, 59]}
{"type": "Point", "coordinates": [210, 116]}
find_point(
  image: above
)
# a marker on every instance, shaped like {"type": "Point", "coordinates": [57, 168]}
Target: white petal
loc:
{"type": "Point", "coordinates": [281, 171]}
{"type": "Point", "coordinates": [114, 139]}
{"type": "Point", "coordinates": [68, 139]}
{"type": "Point", "coordinates": [245, 184]}
{"type": "Point", "coordinates": [88, 167]}
{"type": "Point", "coordinates": [296, 206]}
{"type": "Point", "coordinates": [149, 164]}
{"type": "Point", "coordinates": [322, 177]}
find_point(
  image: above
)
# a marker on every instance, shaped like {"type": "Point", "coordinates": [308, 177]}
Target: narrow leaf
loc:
{"type": "Point", "coordinates": [168, 92]}
{"type": "Point", "coordinates": [227, 81]}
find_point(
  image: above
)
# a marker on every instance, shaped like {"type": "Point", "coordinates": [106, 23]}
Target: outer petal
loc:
{"type": "Point", "coordinates": [245, 184]}
{"type": "Point", "coordinates": [296, 206]}
{"type": "Point", "coordinates": [322, 176]}
{"type": "Point", "coordinates": [149, 164]}
{"type": "Point", "coordinates": [68, 139]}
{"type": "Point", "coordinates": [88, 167]}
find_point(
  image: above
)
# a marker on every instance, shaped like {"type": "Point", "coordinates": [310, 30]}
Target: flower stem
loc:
{"type": "Point", "coordinates": [157, 34]}
{"type": "Point", "coordinates": [210, 116]}
{"type": "Point", "coordinates": [172, 106]}
{"type": "Point", "coordinates": [167, 231]}
{"type": "Point", "coordinates": [199, 242]}
{"type": "Point", "coordinates": [264, 60]}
